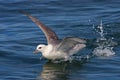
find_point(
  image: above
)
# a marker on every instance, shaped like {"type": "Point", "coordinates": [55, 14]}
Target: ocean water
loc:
{"type": "Point", "coordinates": [19, 37]}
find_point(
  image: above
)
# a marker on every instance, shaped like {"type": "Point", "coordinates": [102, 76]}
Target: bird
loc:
{"type": "Point", "coordinates": [56, 48]}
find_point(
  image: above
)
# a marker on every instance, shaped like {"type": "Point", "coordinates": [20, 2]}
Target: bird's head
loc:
{"type": "Point", "coordinates": [40, 48]}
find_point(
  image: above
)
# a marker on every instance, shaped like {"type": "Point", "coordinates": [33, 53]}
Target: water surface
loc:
{"type": "Point", "coordinates": [19, 37]}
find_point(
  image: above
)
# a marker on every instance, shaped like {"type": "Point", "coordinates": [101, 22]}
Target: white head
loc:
{"type": "Point", "coordinates": [40, 48]}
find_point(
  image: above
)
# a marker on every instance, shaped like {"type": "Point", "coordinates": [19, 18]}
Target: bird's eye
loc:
{"type": "Point", "coordinates": [40, 47]}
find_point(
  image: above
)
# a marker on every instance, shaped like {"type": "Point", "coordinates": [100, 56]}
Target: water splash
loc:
{"type": "Point", "coordinates": [80, 59]}
{"type": "Point", "coordinates": [104, 46]}
{"type": "Point", "coordinates": [99, 29]}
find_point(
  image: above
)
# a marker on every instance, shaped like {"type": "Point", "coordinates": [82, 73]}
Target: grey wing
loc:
{"type": "Point", "coordinates": [71, 43]}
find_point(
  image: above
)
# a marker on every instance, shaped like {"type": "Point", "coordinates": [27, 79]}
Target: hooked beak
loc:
{"type": "Point", "coordinates": [35, 52]}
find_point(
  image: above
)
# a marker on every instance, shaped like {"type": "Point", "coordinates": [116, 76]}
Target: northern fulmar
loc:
{"type": "Point", "coordinates": [57, 48]}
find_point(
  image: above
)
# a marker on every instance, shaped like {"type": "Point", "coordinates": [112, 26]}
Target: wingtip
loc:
{"type": "Point", "coordinates": [23, 12]}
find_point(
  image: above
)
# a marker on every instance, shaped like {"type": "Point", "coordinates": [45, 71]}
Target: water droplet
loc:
{"type": "Point", "coordinates": [104, 46]}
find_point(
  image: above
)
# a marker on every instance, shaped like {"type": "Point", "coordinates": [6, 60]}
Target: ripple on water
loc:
{"type": "Point", "coordinates": [19, 37]}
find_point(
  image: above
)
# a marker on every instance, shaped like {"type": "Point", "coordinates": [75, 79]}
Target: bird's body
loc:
{"type": "Point", "coordinates": [56, 48]}
{"type": "Point", "coordinates": [62, 50]}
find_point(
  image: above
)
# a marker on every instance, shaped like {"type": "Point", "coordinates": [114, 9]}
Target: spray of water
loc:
{"type": "Point", "coordinates": [104, 46]}
{"type": "Point", "coordinates": [80, 59]}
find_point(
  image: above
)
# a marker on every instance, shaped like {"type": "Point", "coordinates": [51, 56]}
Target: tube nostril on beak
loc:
{"type": "Point", "coordinates": [36, 51]}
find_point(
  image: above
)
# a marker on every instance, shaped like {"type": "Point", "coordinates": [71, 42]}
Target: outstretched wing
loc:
{"type": "Point", "coordinates": [50, 34]}
{"type": "Point", "coordinates": [70, 43]}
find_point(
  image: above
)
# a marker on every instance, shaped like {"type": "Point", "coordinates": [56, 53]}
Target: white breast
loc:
{"type": "Point", "coordinates": [51, 53]}
{"type": "Point", "coordinates": [47, 50]}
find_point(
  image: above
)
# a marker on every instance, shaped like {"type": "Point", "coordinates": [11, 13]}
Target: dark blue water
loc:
{"type": "Point", "coordinates": [19, 37]}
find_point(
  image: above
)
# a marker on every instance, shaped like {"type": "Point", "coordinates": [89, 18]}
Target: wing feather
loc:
{"type": "Point", "coordinates": [49, 33]}
{"type": "Point", "coordinates": [69, 43]}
